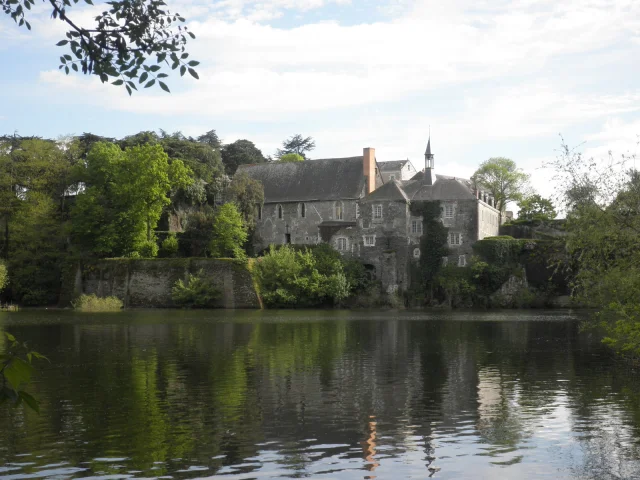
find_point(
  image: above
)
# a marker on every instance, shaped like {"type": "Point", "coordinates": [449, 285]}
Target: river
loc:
{"type": "Point", "coordinates": [320, 394]}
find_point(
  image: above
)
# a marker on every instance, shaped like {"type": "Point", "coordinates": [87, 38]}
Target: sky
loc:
{"type": "Point", "coordinates": [488, 78]}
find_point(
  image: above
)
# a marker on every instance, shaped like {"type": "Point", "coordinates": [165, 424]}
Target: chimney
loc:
{"type": "Point", "coordinates": [369, 168]}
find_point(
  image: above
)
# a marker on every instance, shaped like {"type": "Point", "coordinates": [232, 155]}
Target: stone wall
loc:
{"type": "Point", "coordinates": [270, 229]}
{"type": "Point", "coordinates": [148, 282]}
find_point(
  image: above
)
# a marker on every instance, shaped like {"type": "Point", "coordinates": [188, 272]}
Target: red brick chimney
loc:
{"type": "Point", "coordinates": [369, 168]}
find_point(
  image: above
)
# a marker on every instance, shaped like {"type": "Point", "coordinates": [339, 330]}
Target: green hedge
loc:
{"type": "Point", "coordinates": [503, 250]}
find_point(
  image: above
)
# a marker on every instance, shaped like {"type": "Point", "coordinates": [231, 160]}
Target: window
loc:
{"type": "Point", "coordinates": [462, 260]}
{"type": "Point", "coordinates": [342, 244]}
{"type": "Point", "coordinates": [357, 210]}
{"type": "Point", "coordinates": [338, 211]}
{"type": "Point", "coordinates": [416, 253]}
{"type": "Point", "coordinates": [455, 239]}
{"type": "Point", "coordinates": [369, 240]}
{"type": "Point", "coordinates": [416, 227]}
{"type": "Point", "coordinates": [303, 210]}
{"type": "Point", "coordinates": [445, 261]}
{"type": "Point", "coordinates": [448, 211]}
{"type": "Point", "coordinates": [377, 211]}
{"type": "Point", "coordinates": [259, 212]}
{"type": "Point", "coordinates": [280, 212]}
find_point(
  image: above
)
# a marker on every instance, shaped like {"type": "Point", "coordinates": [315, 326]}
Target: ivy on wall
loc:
{"type": "Point", "coordinates": [433, 245]}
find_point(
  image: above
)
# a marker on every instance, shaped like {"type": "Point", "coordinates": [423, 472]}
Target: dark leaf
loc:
{"type": "Point", "coordinates": [143, 77]}
{"type": "Point", "coordinates": [62, 42]}
{"type": "Point", "coordinates": [150, 84]}
{"type": "Point", "coordinates": [194, 74]}
{"type": "Point", "coordinates": [183, 70]}
{"type": "Point", "coordinates": [117, 82]}
{"type": "Point", "coordinates": [164, 87]}
{"type": "Point", "coordinates": [31, 402]}
{"type": "Point", "coordinates": [194, 63]}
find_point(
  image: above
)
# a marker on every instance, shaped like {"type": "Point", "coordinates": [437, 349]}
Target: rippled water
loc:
{"type": "Point", "coordinates": [327, 395]}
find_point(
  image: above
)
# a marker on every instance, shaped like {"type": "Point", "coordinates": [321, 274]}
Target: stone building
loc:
{"type": "Point", "coordinates": [306, 202]}
{"type": "Point", "coordinates": [394, 170]}
{"type": "Point", "coordinates": [336, 201]}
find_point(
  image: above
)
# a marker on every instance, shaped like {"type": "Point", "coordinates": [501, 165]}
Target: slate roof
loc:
{"type": "Point", "coordinates": [392, 165]}
{"type": "Point", "coordinates": [445, 188]}
{"type": "Point", "coordinates": [390, 191]}
{"type": "Point", "coordinates": [320, 180]}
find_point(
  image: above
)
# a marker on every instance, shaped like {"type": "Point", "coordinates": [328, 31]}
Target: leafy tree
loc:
{"type": "Point", "coordinates": [229, 233]}
{"type": "Point", "coordinates": [128, 41]}
{"type": "Point", "coordinates": [296, 144]}
{"type": "Point", "coordinates": [535, 207]}
{"type": "Point", "coordinates": [291, 158]}
{"type": "Point", "coordinates": [602, 199]}
{"type": "Point", "coordinates": [196, 292]}
{"type": "Point", "coordinates": [248, 194]}
{"type": "Point", "coordinates": [198, 234]}
{"type": "Point", "coordinates": [240, 152]}
{"type": "Point", "coordinates": [211, 138]}
{"type": "Point", "coordinates": [125, 194]}
{"type": "Point", "coordinates": [169, 247]}
{"type": "Point", "coordinates": [16, 370]}
{"type": "Point", "coordinates": [502, 178]}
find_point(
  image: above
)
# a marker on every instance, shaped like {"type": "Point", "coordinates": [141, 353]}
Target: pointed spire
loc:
{"type": "Point", "coordinates": [428, 162]}
{"type": "Point", "coordinates": [428, 152]}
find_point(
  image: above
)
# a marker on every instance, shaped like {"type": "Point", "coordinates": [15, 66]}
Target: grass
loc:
{"type": "Point", "coordinates": [93, 303]}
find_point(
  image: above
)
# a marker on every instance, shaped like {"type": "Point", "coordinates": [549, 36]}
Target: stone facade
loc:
{"type": "Point", "coordinates": [334, 200]}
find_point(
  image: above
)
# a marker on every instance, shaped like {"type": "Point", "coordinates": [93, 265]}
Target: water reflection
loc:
{"type": "Point", "coordinates": [332, 395]}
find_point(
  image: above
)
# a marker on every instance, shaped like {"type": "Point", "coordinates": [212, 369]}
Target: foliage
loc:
{"type": "Point", "coordinates": [125, 194]}
{"type": "Point", "coordinates": [502, 250]}
{"type": "Point", "coordinates": [455, 284]}
{"type": "Point", "coordinates": [229, 233]}
{"type": "Point", "coordinates": [148, 249]}
{"type": "Point", "coordinates": [296, 144]}
{"type": "Point", "coordinates": [3, 276]}
{"type": "Point", "coordinates": [433, 243]}
{"type": "Point", "coordinates": [93, 303]}
{"type": "Point", "coordinates": [196, 292]}
{"type": "Point", "coordinates": [602, 199]}
{"type": "Point", "coordinates": [198, 234]}
{"type": "Point", "coordinates": [240, 152]}
{"type": "Point", "coordinates": [122, 41]}
{"type": "Point", "coordinates": [289, 277]}
{"type": "Point", "coordinates": [248, 195]}
{"type": "Point", "coordinates": [503, 179]}
{"type": "Point", "coordinates": [535, 207]}
{"type": "Point", "coordinates": [169, 246]}
{"type": "Point", "coordinates": [291, 158]}
{"type": "Point", "coordinates": [16, 370]}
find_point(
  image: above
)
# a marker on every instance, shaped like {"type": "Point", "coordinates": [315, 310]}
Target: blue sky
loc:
{"type": "Point", "coordinates": [491, 78]}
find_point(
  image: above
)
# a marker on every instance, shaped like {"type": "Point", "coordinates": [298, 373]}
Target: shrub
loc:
{"type": "Point", "coordinates": [93, 303]}
{"type": "Point", "coordinates": [290, 277]}
{"type": "Point", "coordinates": [229, 233]}
{"type": "Point", "coordinates": [169, 247]}
{"type": "Point", "coordinates": [196, 292]}
{"type": "Point", "coordinates": [148, 249]}
{"type": "Point", "coordinates": [3, 276]}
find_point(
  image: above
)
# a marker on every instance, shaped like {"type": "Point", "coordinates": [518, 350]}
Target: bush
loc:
{"type": "Point", "coordinates": [3, 276]}
{"type": "Point", "coordinates": [93, 303]}
{"type": "Point", "coordinates": [169, 247]}
{"type": "Point", "coordinates": [196, 292]}
{"type": "Point", "coordinates": [229, 233]}
{"type": "Point", "coordinates": [148, 249]}
{"type": "Point", "coordinates": [290, 277]}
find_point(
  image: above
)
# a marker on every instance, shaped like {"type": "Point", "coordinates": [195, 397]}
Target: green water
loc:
{"type": "Point", "coordinates": [320, 394]}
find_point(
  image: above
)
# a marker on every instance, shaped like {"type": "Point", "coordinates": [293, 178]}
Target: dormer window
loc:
{"type": "Point", "coordinates": [338, 210]}
{"type": "Point", "coordinates": [377, 211]}
{"type": "Point", "coordinates": [448, 211]}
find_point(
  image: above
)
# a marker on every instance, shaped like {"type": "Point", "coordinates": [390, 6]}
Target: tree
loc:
{"type": "Point", "coordinates": [535, 207]}
{"type": "Point", "coordinates": [291, 158]}
{"type": "Point", "coordinates": [296, 144]}
{"type": "Point", "coordinates": [131, 40]}
{"type": "Point", "coordinates": [229, 233]}
{"type": "Point", "coordinates": [197, 235]}
{"type": "Point", "coordinates": [240, 152]}
{"type": "Point", "coordinates": [602, 200]}
{"type": "Point", "coordinates": [502, 178]}
{"type": "Point", "coordinates": [125, 194]}
{"type": "Point", "coordinates": [248, 195]}
{"type": "Point", "coordinates": [211, 138]}
{"type": "Point", "coordinates": [3, 276]}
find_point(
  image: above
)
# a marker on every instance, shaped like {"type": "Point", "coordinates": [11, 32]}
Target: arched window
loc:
{"type": "Point", "coordinates": [280, 212]}
{"type": "Point", "coordinates": [338, 208]}
{"type": "Point", "coordinates": [303, 210]}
